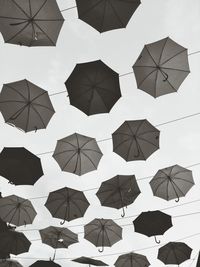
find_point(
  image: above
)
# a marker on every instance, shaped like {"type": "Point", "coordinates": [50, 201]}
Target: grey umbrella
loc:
{"type": "Point", "coordinates": [25, 105]}
{"type": "Point", "coordinates": [118, 192]}
{"type": "Point", "coordinates": [67, 204]}
{"type": "Point", "coordinates": [132, 260]}
{"type": "Point", "coordinates": [10, 263]}
{"type": "Point", "coordinates": [135, 140]}
{"type": "Point", "coordinates": [172, 182]}
{"type": "Point", "coordinates": [30, 23]}
{"type": "Point", "coordinates": [90, 261]}
{"type": "Point", "coordinates": [102, 233]}
{"type": "Point", "coordinates": [77, 154]}
{"type": "Point", "coordinates": [17, 210]}
{"type": "Point", "coordinates": [161, 67]}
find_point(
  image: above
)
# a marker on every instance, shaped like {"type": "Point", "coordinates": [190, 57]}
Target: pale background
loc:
{"type": "Point", "coordinates": [180, 142]}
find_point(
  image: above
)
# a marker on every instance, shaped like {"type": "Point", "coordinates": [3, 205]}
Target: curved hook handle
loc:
{"type": "Point", "coordinates": [165, 74]}
{"type": "Point", "coordinates": [63, 222]}
{"type": "Point", "coordinates": [123, 213]}
{"type": "Point", "coordinates": [177, 200]}
{"type": "Point", "coordinates": [101, 250]}
{"type": "Point", "coordinates": [157, 241]}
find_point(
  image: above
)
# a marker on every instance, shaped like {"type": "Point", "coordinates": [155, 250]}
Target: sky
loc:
{"type": "Point", "coordinates": [49, 68]}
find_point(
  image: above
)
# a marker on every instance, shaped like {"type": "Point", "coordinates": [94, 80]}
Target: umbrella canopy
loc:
{"type": "Point", "coordinates": [20, 166]}
{"type": "Point", "coordinates": [152, 223]}
{"type": "Point", "coordinates": [32, 23]}
{"type": "Point", "coordinates": [90, 261]}
{"type": "Point", "coordinates": [14, 242]}
{"type": "Point", "coordinates": [77, 154]}
{"type": "Point", "coordinates": [67, 204]}
{"type": "Point", "coordinates": [25, 105]}
{"type": "Point", "coordinates": [132, 260]}
{"type": "Point", "coordinates": [172, 182]}
{"type": "Point", "coordinates": [198, 261]}
{"type": "Point", "coordinates": [106, 15]}
{"type": "Point", "coordinates": [102, 233]}
{"type": "Point", "coordinates": [10, 263]}
{"type": "Point", "coordinates": [161, 67]}
{"type": "Point", "coordinates": [17, 210]}
{"type": "Point", "coordinates": [118, 192]}
{"type": "Point", "coordinates": [44, 264]}
{"type": "Point", "coordinates": [174, 253]}
{"type": "Point", "coordinates": [93, 87]}
{"type": "Point", "coordinates": [135, 140]}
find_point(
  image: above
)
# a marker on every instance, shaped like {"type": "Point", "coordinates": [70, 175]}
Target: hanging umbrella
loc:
{"type": "Point", "coordinates": [118, 192]}
{"type": "Point", "coordinates": [135, 140]}
{"type": "Point", "coordinates": [172, 182]}
{"type": "Point", "coordinates": [17, 210]}
{"type": "Point", "coordinates": [161, 67]}
{"type": "Point", "coordinates": [93, 87]}
{"type": "Point", "coordinates": [14, 242]}
{"type": "Point", "coordinates": [20, 166]}
{"type": "Point", "coordinates": [152, 223]}
{"type": "Point", "coordinates": [90, 261]}
{"type": "Point", "coordinates": [10, 263]}
{"type": "Point", "coordinates": [132, 260]}
{"type": "Point", "coordinates": [106, 15]}
{"type": "Point", "coordinates": [67, 204]}
{"type": "Point", "coordinates": [102, 233]}
{"type": "Point", "coordinates": [198, 261]}
{"type": "Point", "coordinates": [174, 253]}
{"type": "Point", "coordinates": [44, 264]}
{"type": "Point", "coordinates": [32, 23]}
{"type": "Point", "coordinates": [77, 154]}
{"type": "Point", "coordinates": [25, 105]}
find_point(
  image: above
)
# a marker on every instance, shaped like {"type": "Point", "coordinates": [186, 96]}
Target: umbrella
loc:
{"type": "Point", "coordinates": [32, 23]}
{"type": "Point", "coordinates": [161, 67]}
{"type": "Point", "coordinates": [67, 204]}
{"type": "Point", "coordinates": [17, 210]}
{"type": "Point", "coordinates": [135, 140]}
{"type": "Point", "coordinates": [77, 154]}
{"type": "Point", "coordinates": [90, 261]}
{"type": "Point", "coordinates": [132, 260]}
{"type": "Point", "coordinates": [10, 263]}
{"type": "Point", "coordinates": [20, 166]}
{"type": "Point", "coordinates": [174, 253]}
{"type": "Point", "coordinates": [152, 223]}
{"type": "Point", "coordinates": [14, 242]}
{"type": "Point", "coordinates": [45, 264]}
{"type": "Point", "coordinates": [25, 105]}
{"type": "Point", "coordinates": [172, 182]}
{"type": "Point", "coordinates": [106, 15]}
{"type": "Point", "coordinates": [198, 261]}
{"type": "Point", "coordinates": [102, 233]}
{"type": "Point", "coordinates": [118, 192]}
{"type": "Point", "coordinates": [93, 87]}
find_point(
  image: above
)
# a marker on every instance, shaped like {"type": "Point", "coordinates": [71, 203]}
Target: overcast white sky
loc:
{"type": "Point", "coordinates": [179, 142]}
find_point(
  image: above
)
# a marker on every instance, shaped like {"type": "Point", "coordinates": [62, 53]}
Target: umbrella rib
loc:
{"type": "Point", "coordinates": [147, 141]}
{"type": "Point", "coordinates": [44, 3]}
{"type": "Point", "coordinates": [103, 17]}
{"type": "Point", "coordinates": [12, 101]}
{"type": "Point", "coordinates": [178, 248]}
{"type": "Point", "coordinates": [88, 149]}
{"type": "Point", "coordinates": [114, 232]}
{"type": "Point", "coordinates": [89, 9]}
{"type": "Point", "coordinates": [65, 151]}
{"type": "Point", "coordinates": [106, 233]}
{"type": "Point", "coordinates": [175, 69]}
{"type": "Point", "coordinates": [68, 161]}
{"type": "Point", "coordinates": [155, 191]}
{"type": "Point", "coordinates": [179, 178]}
{"type": "Point", "coordinates": [40, 117]}
{"type": "Point", "coordinates": [116, 14]}
{"type": "Point", "coordinates": [150, 55]}
{"type": "Point", "coordinates": [17, 33]}
{"type": "Point", "coordinates": [91, 231]}
{"type": "Point", "coordinates": [5, 17]}
{"type": "Point", "coordinates": [122, 143]}
{"type": "Point", "coordinates": [10, 87]}
{"type": "Point", "coordinates": [40, 105]}
{"type": "Point", "coordinates": [175, 185]}
{"type": "Point", "coordinates": [141, 82]}
{"type": "Point", "coordinates": [90, 140]}
{"type": "Point", "coordinates": [82, 214]}
{"type": "Point", "coordinates": [44, 33]}
{"type": "Point", "coordinates": [89, 159]}
{"type": "Point", "coordinates": [67, 143]}
{"type": "Point", "coordinates": [173, 56]}
{"type": "Point", "coordinates": [19, 7]}
{"type": "Point", "coordinates": [162, 51]}
{"type": "Point", "coordinates": [27, 213]}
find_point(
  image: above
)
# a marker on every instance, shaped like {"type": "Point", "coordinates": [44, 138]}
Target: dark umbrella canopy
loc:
{"type": "Point", "coordinates": [161, 67]}
{"type": "Point", "coordinates": [132, 260]}
{"type": "Point", "coordinates": [90, 261]}
{"type": "Point", "coordinates": [198, 261]}
{"type": "Point", "coordinates": [17, 210]}
{"type": "Point", "coordinates": [20, 166]}
{"type": "Point", "coordinates": [102, 233]}
{"type": "Point", "coordinates": [152, 223]}
{"type": "Point", "coordinates": [30, 23]}
{"type": "Point", "coordinates": [172, 182]}
{"type": "Point", "coordinates": [25, 105]}
{"type": "Point", "coordinates": [118, 192]}
{"type": "Point", "coordinates": [77, 154]}
{"type": "Point", "coordinates": [93, 87]}
{"type": "Point", "coordinates": [67, 204]}
{"type": "Point", "coordinates": [135, 140]}
{"type": "Point", "coordinates": [10, 263]}
{"type": "Point", "coordinates": [45, 264]}
{"type": "Point", "coordinates": [174, 253]}
{"type": "Point", "coordinates": [106, 15]}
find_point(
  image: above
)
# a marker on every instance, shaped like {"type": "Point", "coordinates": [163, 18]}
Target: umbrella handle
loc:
{"type": "Point", "coordinates": [177, 200]}
{"type": "Point", "coordinates": [157, 241]}
{"type": "Point", "coordinates": [123, 212]}
{"type": "Point", "coordinates": [63, 222]}
{"type": "Point", "coordinates": [36, 129]}
{"type": "Point", "coordinates": [101, 250]}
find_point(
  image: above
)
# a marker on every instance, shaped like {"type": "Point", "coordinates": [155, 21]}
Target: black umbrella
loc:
{"type": "Point", "coordinates": [161, 67]}
{"type": "Point", "coordinates": [132, 260]}
{"type": "Point", "coordinates": [135, 140]}
{"type": "Point", "coordinates": [17, 210]}
{"type": "Point", "coordinates": [152, 223]}
{"type": "Point", "coordinates": [77, 154]}
{"type": "Point", "coordinates": [14, 242]}
{"type": "Point", "coordinates": [90, 261]}
{"type": "Point", "coordinates": [172, 182]}
{"type": "Point", "coordinates": [25, 106]}
{"type": "Point", "coordinates": [32, 23]}
{"type": "Point", "coordinates": [45, 264]}
{"type": "Point", "coordinates": [20, 166]}
{"type": "Point", "coordinates": [102, 233]}
{"type": "Point", "coordinates": [93, 87]}
{"type": "Point", "coordinates": [106, 15]}
{"type": "Point", "coordinates": [67, 204]}
{"type": "Point", "coordinates": [174, 253]}
{"type": "Point", "coordinates": [118, 192]}
{"type": "Point", "coordinates": [10, 263]}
